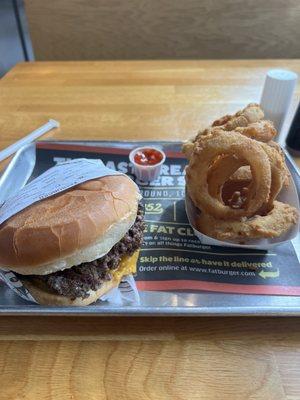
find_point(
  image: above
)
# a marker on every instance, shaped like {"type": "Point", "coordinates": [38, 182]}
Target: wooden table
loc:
{"type": "Point", "coordinates": [140, 358]}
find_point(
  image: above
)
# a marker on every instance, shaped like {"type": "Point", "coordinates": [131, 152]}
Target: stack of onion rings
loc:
{"type": "Point", "coordinates": [234, 176]}
{"type": "Point", "coordinates": [249, 122]}
{"type": "Point", "coordinates": [249, 152]}
{"type": "Point", "coordinates": [274, 224]}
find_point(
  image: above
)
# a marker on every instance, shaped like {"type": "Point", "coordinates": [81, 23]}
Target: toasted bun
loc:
{"type": "Point", "coordinates": [78, 225]}
{"type": "Point", "coordinates": [44, 296]}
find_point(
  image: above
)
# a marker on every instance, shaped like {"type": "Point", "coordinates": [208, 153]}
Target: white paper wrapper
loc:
{"type": "Point", "coordinates": [126, 293]}
{"type": "Point", "coordinates": [61, 177]}
{"type": "Point", "coordinates": [288, 195]}
{"type": "Point", "coordinates": [16, 285]}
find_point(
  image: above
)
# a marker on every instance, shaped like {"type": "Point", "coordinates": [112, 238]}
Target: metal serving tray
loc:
{"type": "Point", "coordinates": [158, 303]}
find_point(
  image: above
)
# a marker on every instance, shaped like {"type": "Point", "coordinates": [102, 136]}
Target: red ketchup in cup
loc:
{"type": "Point", "coordinates": [148, 157]}
{"type": "Point", "coordinates": [147, 162]}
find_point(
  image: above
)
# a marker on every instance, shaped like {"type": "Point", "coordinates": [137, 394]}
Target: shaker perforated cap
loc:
{"type": "Point", "coordinates": [277, 95]}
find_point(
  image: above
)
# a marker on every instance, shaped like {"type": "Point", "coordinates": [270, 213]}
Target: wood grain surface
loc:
{"type": "Point", "coordinates": [160, 29]}
{"type": "Point", "coordinates": [140, 358]}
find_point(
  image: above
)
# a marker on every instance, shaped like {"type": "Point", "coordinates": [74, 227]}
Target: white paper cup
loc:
{"type": "Point", "coordinates": [146, 173]}
{"type": "Point", "coordinates": [288, 195]}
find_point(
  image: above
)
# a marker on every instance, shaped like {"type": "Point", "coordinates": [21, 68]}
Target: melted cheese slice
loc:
{"type": "Point", "coordinates": [127, 266]}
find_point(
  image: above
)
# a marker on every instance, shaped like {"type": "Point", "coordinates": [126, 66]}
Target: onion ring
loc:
{"type": "Point", "coordinates": [220, 172]}
{"type": "Point", "coordinates": [286, 171]}
{"type": "Point", "coordinates": [225, 167]}
{"type": "Point", "coordinates": [248, 122]}
{"type": "Point", "coordinates": [225, 184]}
{"type": "Point", "coordinates": [263, 131]}
{"type": "Point", "coordinates": [277, 174]}
{"type": "Point", "coordinates": [243, 173]}
{"type": "Point", "coordinates": [251, 113]}
{"type": "Point", "coordinates": [235, 193]}
{"type": "Point", "coordinates": [206, 151]}
{"type": "Point", "coordinates": [277, 222]}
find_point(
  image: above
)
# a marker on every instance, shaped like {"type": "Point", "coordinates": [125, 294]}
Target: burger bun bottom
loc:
{"type": "Point", "coordinates": [45, 297]}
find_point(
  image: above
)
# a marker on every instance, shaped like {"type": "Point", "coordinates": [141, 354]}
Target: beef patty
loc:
{"type": "Point", "coordinates": [78, 280]}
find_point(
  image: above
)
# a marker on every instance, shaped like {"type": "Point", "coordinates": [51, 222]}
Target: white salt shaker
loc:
{"type": "Point", "coordinates": [277, 95]}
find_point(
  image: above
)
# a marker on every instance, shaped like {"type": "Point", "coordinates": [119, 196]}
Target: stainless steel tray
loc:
{"type": "Point", "coordinates": [156, 303]}
{"type": "Point", "coordinates": [167, 304]}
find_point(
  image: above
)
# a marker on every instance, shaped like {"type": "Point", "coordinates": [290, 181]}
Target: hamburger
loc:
{"type": "Point", "coordinates": [72, 248]}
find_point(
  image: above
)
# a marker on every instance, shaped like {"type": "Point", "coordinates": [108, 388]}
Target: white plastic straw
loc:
{"type": "Point", "coordinates": [28, 138]}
